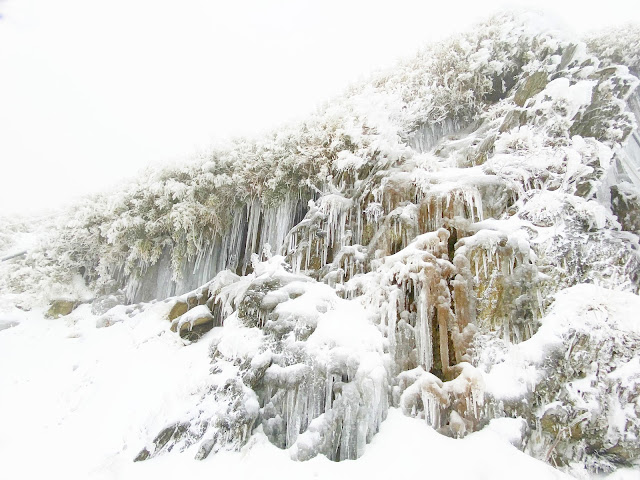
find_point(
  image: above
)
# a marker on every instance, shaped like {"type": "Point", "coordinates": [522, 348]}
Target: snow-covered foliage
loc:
{"type": "Point", "coordinates": [619, 46]}
{"type": "Point", "coordinates": [8, 229]}
{"type": "Point", "coordinates": [422, 242]}
{"type": "Point", "coordinates": [193, 215]}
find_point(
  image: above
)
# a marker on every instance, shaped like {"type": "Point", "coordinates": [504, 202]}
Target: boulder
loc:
{"type": "Point", "coordinates": [108, 319]}
{"type": "Point", "coordinates": [194, 323]}
{"type": "Point", "coordinates": [60, 308]}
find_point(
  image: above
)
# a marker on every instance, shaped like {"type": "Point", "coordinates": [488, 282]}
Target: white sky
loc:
{"type": "Point", "coordinates": [92, 91]}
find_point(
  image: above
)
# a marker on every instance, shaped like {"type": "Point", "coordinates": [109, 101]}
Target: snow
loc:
{"type": "Point", "coordinates": [79, 409]}
{"type": "Point", "coordinates": [82, 391]}
{"type": "Point", "coordinates": [74, 405]}
{"type": "Point", "coordinates": [386, 456]}
{"type": "Point", "coordinates": [86, 412]}
{"type": "Point", "coordinates": [235, 341]}
{"type": "Point", "coordinates": [573, 97]}
{"type": "Point", "coordinates": [348, 161]}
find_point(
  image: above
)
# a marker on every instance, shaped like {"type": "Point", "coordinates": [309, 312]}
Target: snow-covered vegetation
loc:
{"type": "Point", "coordinates": [188, 213]}
{"type": "Point", "coordinates": [455, 239]}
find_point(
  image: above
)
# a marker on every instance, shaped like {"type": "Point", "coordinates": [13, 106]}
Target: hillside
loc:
{"type": "Point", "coordinates": [452, 242]}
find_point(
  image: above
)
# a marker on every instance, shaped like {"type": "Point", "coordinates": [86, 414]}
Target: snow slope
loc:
{"type": "Point", "coordinates": [80, 401]}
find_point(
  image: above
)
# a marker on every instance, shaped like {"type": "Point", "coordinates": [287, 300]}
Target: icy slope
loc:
{"type": "Point", "coordinates": [435, 242]}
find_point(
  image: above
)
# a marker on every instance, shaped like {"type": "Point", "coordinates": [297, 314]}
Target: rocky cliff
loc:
{"type": "Point", "coordinates": [456, 237]}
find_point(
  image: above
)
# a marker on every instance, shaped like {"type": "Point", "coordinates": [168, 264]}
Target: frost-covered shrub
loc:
{"type": "Point", "coordinates": [179, 211]}
{"type": "Point", "coordinates": [618, 46]}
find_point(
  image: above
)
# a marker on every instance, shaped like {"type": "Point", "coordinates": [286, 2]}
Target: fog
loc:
{"type": "Point", "coordinates": [91, 92]}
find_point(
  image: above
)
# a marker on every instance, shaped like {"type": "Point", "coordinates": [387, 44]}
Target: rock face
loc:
{"type": "Point", "coordinates": [60, 308]}
{"type": "Point", "coordinates": [625, 202]}
{"type": "Point", "coordinates": [533, 85]}
{"type": "Point", "coordinates": [422, 243]}
{"type": "Point", "coordinates": [193, 314]}
{"type": "Point", "coordinates": [584, 403]}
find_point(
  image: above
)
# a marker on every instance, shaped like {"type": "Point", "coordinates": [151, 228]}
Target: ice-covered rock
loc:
{"type": "Point", "coordinates": [309, 364]}
{"type": "Point", "coordinates": [576, 380]}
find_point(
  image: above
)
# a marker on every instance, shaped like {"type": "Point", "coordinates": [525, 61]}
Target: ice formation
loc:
{"type": "Point", "coordinates": [410, 246]}
{"type": "Point", "coordinates": [292, 357]}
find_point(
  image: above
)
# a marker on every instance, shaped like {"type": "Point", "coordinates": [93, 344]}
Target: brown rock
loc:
{"type": "Point", "coordinates": [200, 326]}
{"type": "Point", "coordinates": [179, 308]}
{"type": "Point", "coordinates": [60, 308]}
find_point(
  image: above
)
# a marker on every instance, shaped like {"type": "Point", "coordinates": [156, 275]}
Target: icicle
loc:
{"type": "Point", "coordinates": [392, 318]}
{"type": "Point", "coordinates": [476, 266]}
{"type": "Point", "coordinates": [506, 334]}
{"type": "Point", "coordinates": [431, 409]}
{"type": "Point", "coordinates": [423, 331]}
{"type": "Point", "coordinates": [484, 263]}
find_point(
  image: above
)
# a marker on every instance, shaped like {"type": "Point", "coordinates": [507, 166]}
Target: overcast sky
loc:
{"type": "Point", "coordinates": [92, 91]}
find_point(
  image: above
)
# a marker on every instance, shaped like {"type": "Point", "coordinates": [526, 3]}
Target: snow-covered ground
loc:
{"type": "Point", "coordinates": [80, 402]}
